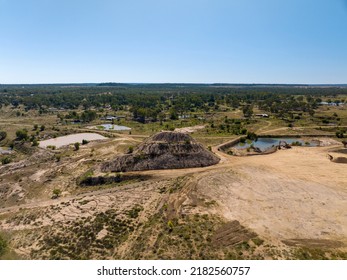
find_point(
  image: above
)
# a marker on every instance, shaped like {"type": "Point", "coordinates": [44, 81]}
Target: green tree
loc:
{"type": "Point", "coordinates": [247, 111]}
{"type": "Point", "coordinates": [88, 116]}
{"type": "Point", "coordinates": [161, 117]}
{"type": "Point", "coordinates": [252, 136]}
{"type": "Point", "coordinates": [173, 114]}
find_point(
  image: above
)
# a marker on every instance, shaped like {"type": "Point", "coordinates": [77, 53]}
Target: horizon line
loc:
{"type": "Point", "coordinates": [176, 83]}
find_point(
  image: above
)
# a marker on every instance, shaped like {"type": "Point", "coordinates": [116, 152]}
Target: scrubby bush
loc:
{"type": "Point", "coordinates": [35, 143]}
{"type": "Point", "coordinates": [77, 146]}
{"type": "Point", "coordinates": [56, 193]}
{"type": "Point", "coordinates": [3, 135]}
{"type": "Point", "coordinates": [22, 134]}
{"type": "Point", "coordinates": [340, 134]}
{"type": "Point", "coordinates": [170, 225]}
{"type": "Point", "coordinates": [3, 245]}
{"type": "Point", "coordinates": [57, 157]}
{"type": "Point", "coordinates": [243, 131]}
{"type": "Point", "coordinates": [296, 143]}
{"type": "Point", "coordinates": [5, 160]}
{"type": "Point", "coordinates": [252, 136]}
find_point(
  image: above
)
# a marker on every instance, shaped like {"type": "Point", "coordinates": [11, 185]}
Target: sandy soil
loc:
{"type": "Point", "coordinates": [189, 129]}
{"type": "Point", "coordinates": [295, 193]}
{"type": "Point", "coordinates": [84, 205]}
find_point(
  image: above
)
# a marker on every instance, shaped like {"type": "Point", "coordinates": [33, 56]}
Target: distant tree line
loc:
{"type": "Point", "coordinates": [155, 101]}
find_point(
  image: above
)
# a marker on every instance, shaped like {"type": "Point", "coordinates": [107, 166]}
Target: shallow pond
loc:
{"type": "Point", "coordinates": [266, 143]}
{"type": "Point", "coordinates": [113, 127]}
{"type": "Point", "coordinates": [70, 139]}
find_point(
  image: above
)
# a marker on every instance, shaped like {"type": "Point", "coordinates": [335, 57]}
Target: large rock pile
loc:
{"type": "Point", "coordinates": [164, 150]}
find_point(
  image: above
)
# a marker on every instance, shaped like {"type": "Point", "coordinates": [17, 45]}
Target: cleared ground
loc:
{"type": "Point", "coordinates": [289, 200]}
{"type": "Point", "coordinates": [292, 194]}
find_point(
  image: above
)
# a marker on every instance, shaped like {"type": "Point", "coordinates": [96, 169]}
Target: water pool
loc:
{"type": "Point", "coordinates": [114, 127]}
{"type": "Point", "coordinates": [266, 143]}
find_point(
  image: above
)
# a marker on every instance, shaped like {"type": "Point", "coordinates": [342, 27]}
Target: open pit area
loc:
{"type": "Point", "coordinates": [287, 205]}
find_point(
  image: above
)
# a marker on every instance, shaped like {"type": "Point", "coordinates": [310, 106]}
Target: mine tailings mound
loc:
{"type": "Point", "coordinates": [164, 150]}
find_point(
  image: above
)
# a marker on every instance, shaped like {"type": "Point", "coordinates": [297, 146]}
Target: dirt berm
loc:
{"type": "Point", "coordinates": [164, 150]}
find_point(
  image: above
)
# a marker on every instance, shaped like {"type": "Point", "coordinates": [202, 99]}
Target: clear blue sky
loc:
{"type": "Point", "coordinates": [232, 41]}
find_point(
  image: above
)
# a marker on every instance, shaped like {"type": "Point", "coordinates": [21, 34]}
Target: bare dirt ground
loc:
{"type": "Point", "coordinates": [291, 199]}
{"type": "Point", "coordinates": [291, 194]}
{"type": "Point", "coordinates": [190, 129]}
